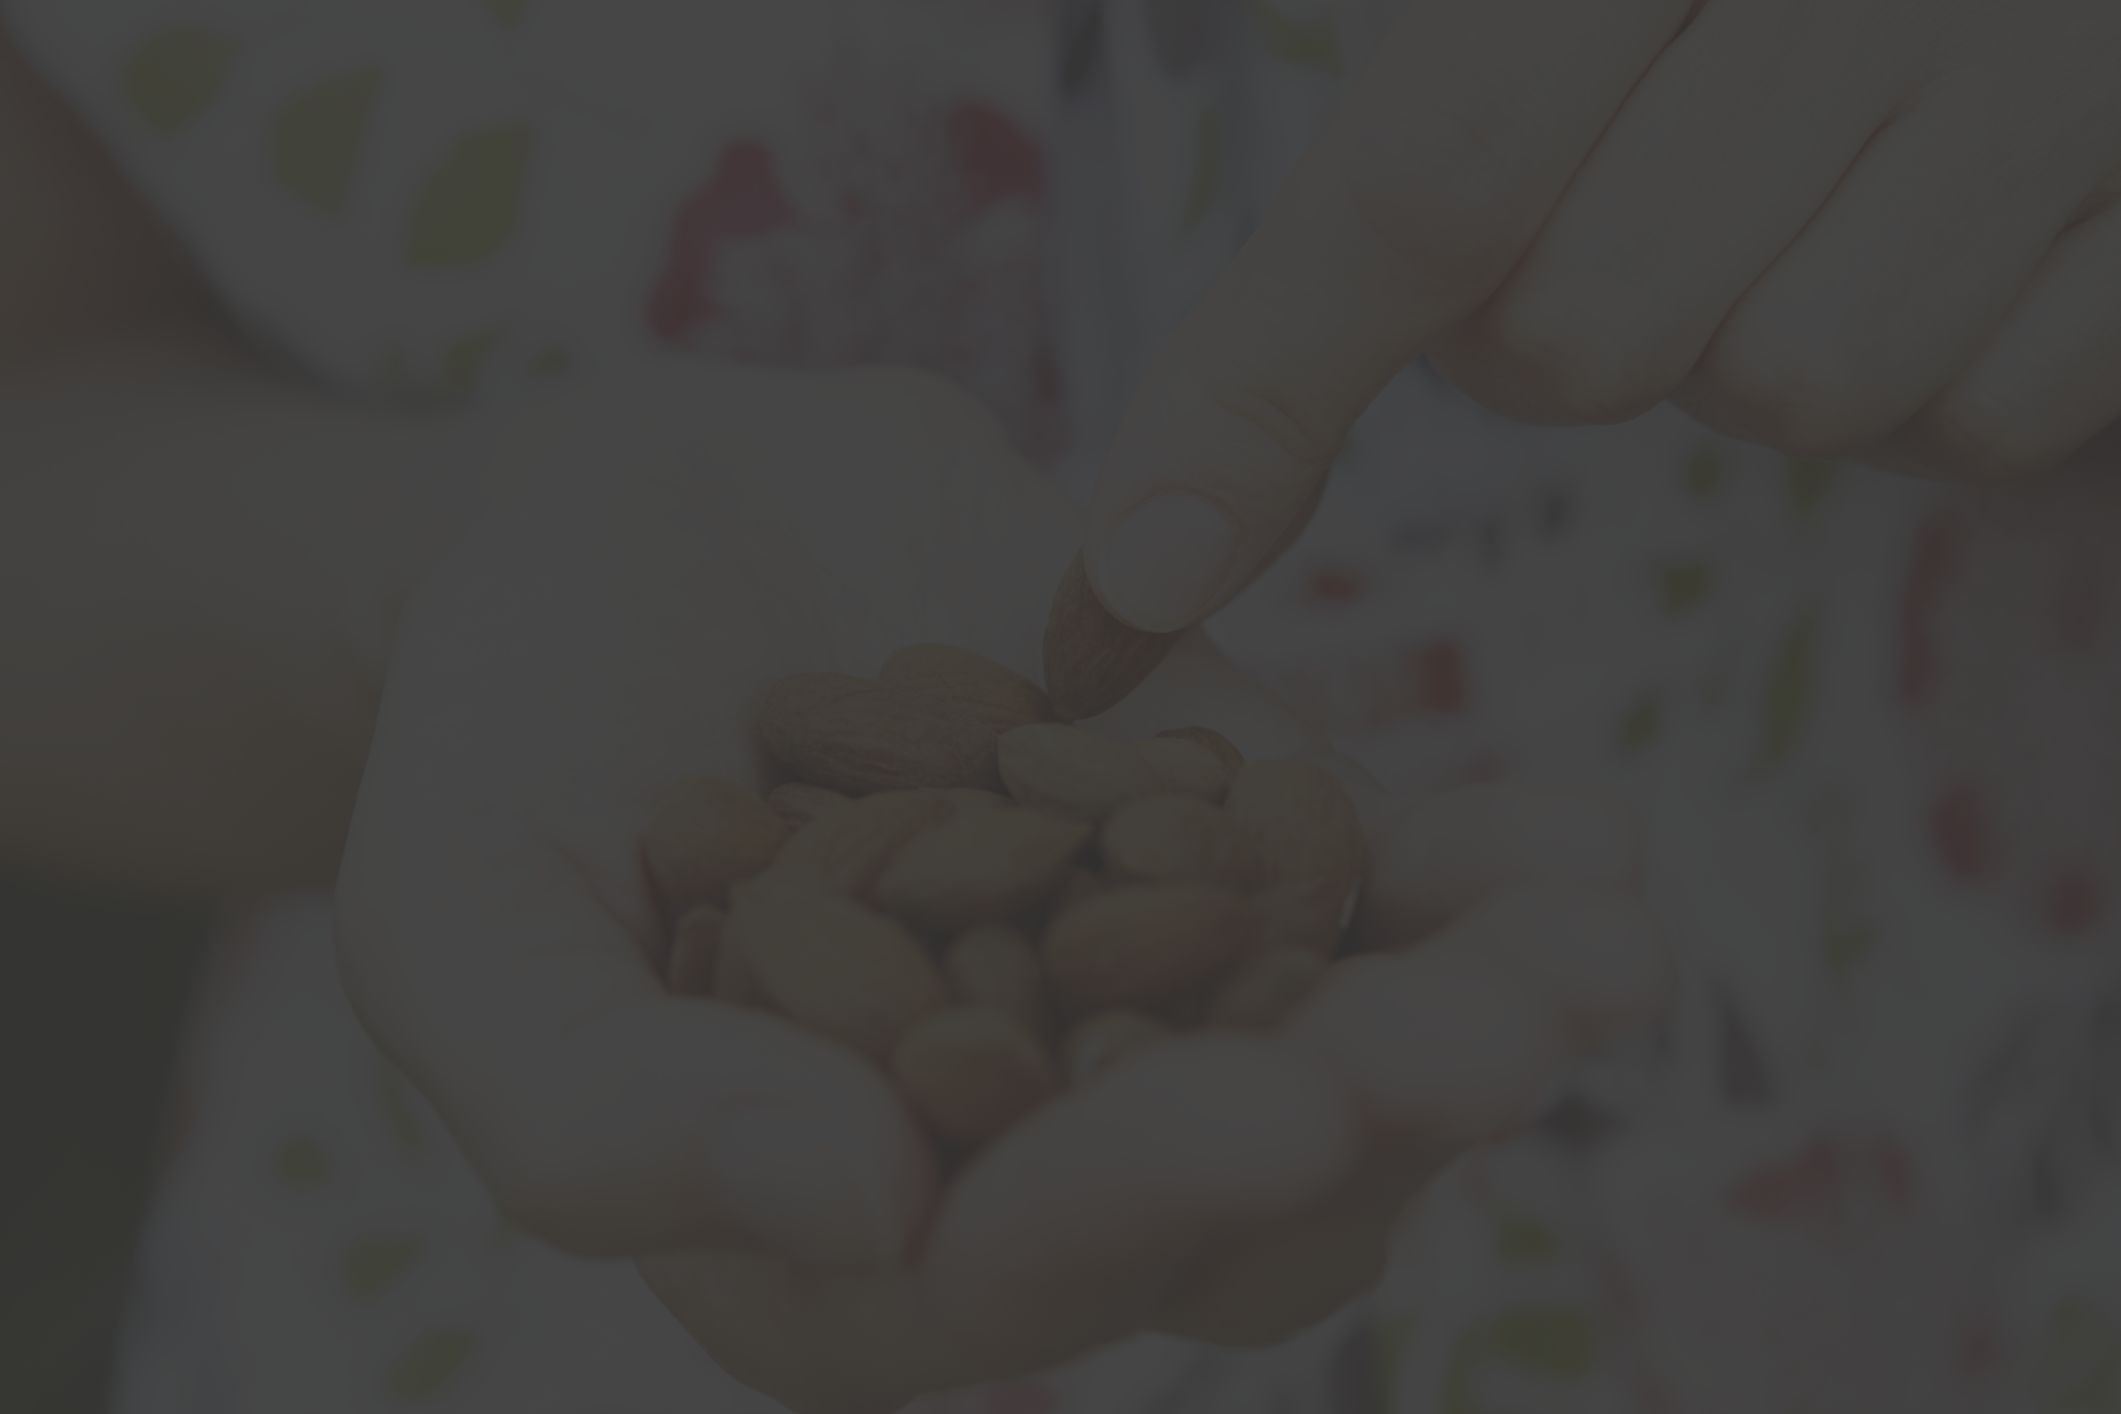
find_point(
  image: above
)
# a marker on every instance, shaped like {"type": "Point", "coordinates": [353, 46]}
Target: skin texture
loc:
{"type": "Point", "coordinates": [494, 924]}
{"type": "Point", "coordinates": [450, 663]}
{"type": "Point", "coordinates": [1881, 229]}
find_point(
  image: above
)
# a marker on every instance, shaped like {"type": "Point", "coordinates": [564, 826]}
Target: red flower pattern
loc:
{"type": "Point", "coordinates": [900, 228]}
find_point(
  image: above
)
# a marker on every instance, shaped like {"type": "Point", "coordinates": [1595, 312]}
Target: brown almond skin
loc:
{"type": "Point", "coordinates": [1070, 771]}
{"type": "Point", "coordinates": [857, 736]}
{"type": "Point", "coordinates": [972, 1072]}
{"type": "Point", "coordinates": [695, 952]}
{"type": "Point", "coordinates": [1082, 884]}
{"type": "Point", "coordinates": [1188, 768]}
{"type": "Point", "coordinates": [1303, 824]}
{"type": "Point", "coordinates": [1226, 750]}
{"type": "Point", "coordinates": [833, 966]}
{"type": "Point", "coordinates": [981, 866]}
{"type": "Point", "coordinates": [1106, 1039]}
{"type": "Point", "coordinates": [1092, 660]}
{"type": "Point", "coordinates": [1265, 989]}
{"type": "Point", "coordinates": [1174, 837]}
{"type": "Point", "coordinates": [849, 848]}
{"type": "Point", "coordinates": [999, 696]}
{"type": "Point", "coordinates": [799, 804]}
{"type": "Point", "coordinates": [998, 967]}
{"type": "Point", "coordinates": [1143, 944]}
{"type": "Point", "coordinates": [702, 836]}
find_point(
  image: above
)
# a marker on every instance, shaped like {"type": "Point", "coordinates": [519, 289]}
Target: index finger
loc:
{"type": "Point", "coordinates": [1433, 176]}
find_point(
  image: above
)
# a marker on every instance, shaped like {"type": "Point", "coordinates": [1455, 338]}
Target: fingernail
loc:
{"type": "Point", "coordinates": [1159, 569]}
{"type": "Point", "coordinates": [800, 1194]}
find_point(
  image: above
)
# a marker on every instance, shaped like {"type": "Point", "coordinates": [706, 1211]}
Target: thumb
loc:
{"type": "Point", "coordinates": [1203, 490]}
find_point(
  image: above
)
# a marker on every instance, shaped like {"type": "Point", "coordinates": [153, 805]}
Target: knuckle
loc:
{"type": "Point", "coordinates": [1441, 187]}
{"type": "Point", "coordinates": [1570, 368]}
{"type": "Point", "coordinates": [1795, 400]}
{"type": "Point", "coordinates": [1298, 439]}
{"type": "Point", "coordinates": [1981, 438]}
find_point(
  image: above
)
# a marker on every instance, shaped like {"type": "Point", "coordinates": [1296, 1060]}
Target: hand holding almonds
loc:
{"type": "Point", "coordinates": [990, 948]}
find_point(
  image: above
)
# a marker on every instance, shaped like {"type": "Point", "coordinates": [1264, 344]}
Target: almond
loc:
{"type": "Point", "coordinates": [695, 952]}
{"type": "Point", "coordinates": [1188, 768]}
{"type": "Point", "coordinates": [833, 966]}
{"type": "Point", "coordinates": [1092, 660]}
{"type": "Point", "coordinates": [972, 1072]}
{"type": "Point", "coordinates": [1225, 749]}
{"type": "Point", "coordinates": [1148, 943]}
{"type": "Point", "coordinates": [1071, 771]}
{"type": "Point", "coordinates": [799, 804]}
{"type": "Point", "coordinates": [1305, 828]}
{"type": "Point", "coordinates": [977, 799]}
{"type": "Point", "coordinates": [1170, 837]}
{"type": "Point", "coordinates": [981, 866]}
{"type": "Point", "coordinates": [1100, 1042]}
{"type": "Point", "coordinates": [998, 967]}
{"type": "Point", "coordinates": [1266, 988]}
{"type": "Point", "coordinates": [704, 835]}
{"type": "Point", "coordinates": [847, 849]}
{"type": "Point", "coordinates": [999, 696]}
{"type": "Point", "coordinates": [854, 735]}
{"type": "Point", "coordinates": [1081, 884]}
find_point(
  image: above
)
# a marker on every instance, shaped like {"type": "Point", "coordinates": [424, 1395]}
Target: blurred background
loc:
{"type": "Point", "coordinates": [89, 1029]}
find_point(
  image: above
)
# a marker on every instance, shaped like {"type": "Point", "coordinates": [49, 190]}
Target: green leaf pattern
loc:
{"type": "Point", "coordinates": [372, 1265]}
{"type": "Point", "coordinates": [1704, 473]}
{"type": "Point", "coordinates": [1523, 1240]}
{"type": "Point", "coordinates": [468, 209]}
{"type": "Point", "coordinates": [1684, 585]}
{"type": "Point", "coordinates": [1809, 484]}
{"type": "Point", "coordinates": [1307, 43]}
{"type": "Point", "coordinates": [464, 363]}
{"type": "Point", "coordinates": [317, 136]}
{"type": "Point", "coordinates": [1551, 1343]}
{"type": "Point", "coordinates": [2083, 1360]}
{"type": "Point", "coordinates": [1786, 706]}
{"type": "Point", "coordinates": [431, 1364]}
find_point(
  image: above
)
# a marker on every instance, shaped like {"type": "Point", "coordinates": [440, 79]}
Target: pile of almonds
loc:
{"type": "Point", "coordinates": [991, 903]}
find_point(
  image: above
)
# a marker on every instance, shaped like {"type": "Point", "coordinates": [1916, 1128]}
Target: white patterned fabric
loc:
{"type": "Point", "coordinates": [1870, 1166]}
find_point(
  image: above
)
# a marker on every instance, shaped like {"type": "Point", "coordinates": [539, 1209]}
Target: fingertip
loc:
{"type": "Point", "coordinates": [1163, 564]}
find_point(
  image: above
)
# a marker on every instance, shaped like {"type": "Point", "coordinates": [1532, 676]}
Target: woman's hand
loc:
{"type": "Point", "coordinates": [660, 556]}
{"type": "Point", "coordinates": [1872, 228]}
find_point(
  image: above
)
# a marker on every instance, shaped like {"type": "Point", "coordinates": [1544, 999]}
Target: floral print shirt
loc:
{"type": "Point", "coordinates": [1869, 1166]}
